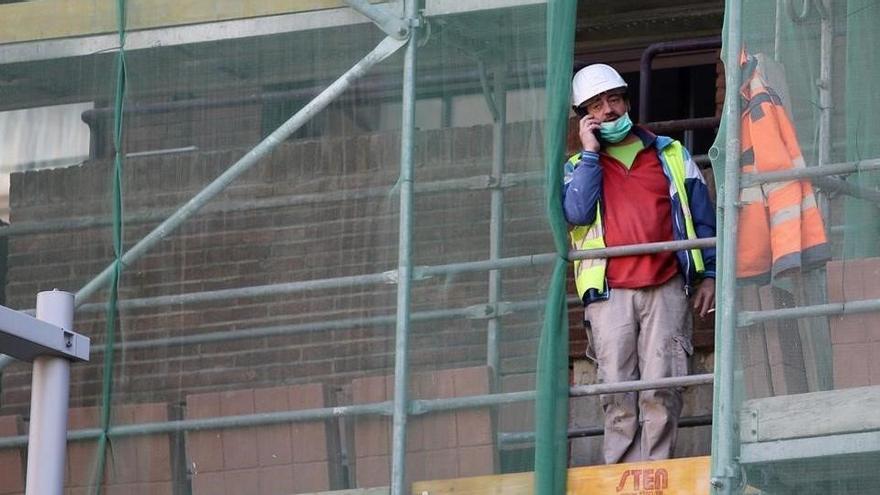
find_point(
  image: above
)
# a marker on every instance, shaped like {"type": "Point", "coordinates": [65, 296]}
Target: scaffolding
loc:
{"type": "Point", "coordinates": [738, 456]}
{"type": "Point", "coordinates": [404, 32]}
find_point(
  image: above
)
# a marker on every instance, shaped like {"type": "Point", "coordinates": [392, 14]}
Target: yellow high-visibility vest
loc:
{"type": "Point", "coordinates": [589, 275]}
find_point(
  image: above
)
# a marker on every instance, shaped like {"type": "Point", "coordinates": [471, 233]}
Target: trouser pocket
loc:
{"type": "Point", "coordinates": [590, 351]}
{"type": "Point", "coordinates": [682, 350]}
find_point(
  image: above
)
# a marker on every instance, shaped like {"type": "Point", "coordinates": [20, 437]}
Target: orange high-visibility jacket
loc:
{"type": "Point", "coordinates": [780, 226]}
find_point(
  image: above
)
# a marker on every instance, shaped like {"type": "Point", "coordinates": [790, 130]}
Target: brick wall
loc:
{"type": "Point", "coordinates": [310, 240]}
{"type": "Point", "coordinates": [348, 235]}
{"type": "Point", "coordinates": [855, 339]}
{"type": "Point", "coordinates": [313, 240]}
{"type": "Point", "coordinates": [12, 461]}
{"type": "Point", "coordinates": [283, 458]}
{"type": "Point", "coordinates": [772, 352]}
{"type": "Point", "coordinates": [140, 464]}
{"type": "Point", "coordinates": [439, 445]}
{"type": "Point", "coordinates": [230, 126]}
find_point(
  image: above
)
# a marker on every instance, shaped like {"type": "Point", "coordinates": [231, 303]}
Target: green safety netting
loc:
{"type": "Point", "coordinates": [253, 295]}
{"type": "Point", "coordinates": [257, 260]}
{"type": "Point", "coordinates": [796, 363]}
{"type": "Point", "coordinates": [551, 448]}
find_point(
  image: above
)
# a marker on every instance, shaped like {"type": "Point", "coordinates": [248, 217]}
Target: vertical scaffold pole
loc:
{"type": "Point", "coordinates": [50, 393]}
{"type": "Point", "coordinates": [825, 75]}
{"type": "Point", "coordinates": [496, 231]}
{"type": "Point", "coordinates": [814, 332]}
{"type": "Point", "coordinates": [777, 31]}
{"type": "Point", "coordinates": [496, 220]}
{"type": "Point", "coordinates": [404, 263]}
{"type": "Point", "coordinates": [725, 470]}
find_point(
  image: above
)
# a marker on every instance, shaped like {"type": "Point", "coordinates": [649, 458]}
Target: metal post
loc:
{"type": "Point", "coordinates": [404, 263]}
{"type": "Point", "coordinates": [724, 442]}
{"type": "Point", "coordinates": [825, 104]}
{"type": "Point", "coordinates": [50, 392]}
{"type": "Point", "coordinates": [815, 334]}
{"type": "Point", "coordinates": [498, 108]}
{"type": "Point", "coordinates": [496, 220]}
{"type": "Point", "coordinates": [777, 31]}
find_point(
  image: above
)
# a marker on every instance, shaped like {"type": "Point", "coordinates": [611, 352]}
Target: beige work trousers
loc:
{"type": "Point", "coordinates": [641, 334]}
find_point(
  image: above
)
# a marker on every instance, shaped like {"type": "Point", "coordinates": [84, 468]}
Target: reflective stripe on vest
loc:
{"type": "Point", "coordinates": [588, 274]}
{"type": "Point", "coordinates": [673, 156]}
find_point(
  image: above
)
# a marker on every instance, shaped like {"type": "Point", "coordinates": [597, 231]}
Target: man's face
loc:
{"type": "Point", "coordinates": [606, 107]}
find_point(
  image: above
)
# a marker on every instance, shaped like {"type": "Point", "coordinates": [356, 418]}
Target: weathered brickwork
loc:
{"type": "Point", "coordinates": [344, 223]}
{"type": "Point", "coordinates": [439, 445]}
{"type": "Point", "coordinates": [270, 459]}
{"type": "Point", "coordinates": [12, 461]}
{"type": "Point", "coordinates": [334, 214]}
{"type": "Point", "coordinates": [855, 339]}
{"type": "Point", "coordinates": [140, 464]}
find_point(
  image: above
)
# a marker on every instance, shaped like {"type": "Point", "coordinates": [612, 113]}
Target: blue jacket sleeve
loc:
{"type": "Point", "coordinates": [581, 189]}
{"type": "Point", "coordinates": [702, 212]}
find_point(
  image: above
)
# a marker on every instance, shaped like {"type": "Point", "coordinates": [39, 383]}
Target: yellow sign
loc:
{"type": "Point", "coordinates": [673, 477]}
{"type": "Point", "coordinates": [688, 476]}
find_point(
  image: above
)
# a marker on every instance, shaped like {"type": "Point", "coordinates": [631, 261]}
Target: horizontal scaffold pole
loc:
{"type": "Point", "coordinates": [417, 407]}
{"type": "Point", "coordinates": [747, 318]}
{"type": "Point", "coordinates": [390, 277]}
{"type": "Point", "coordinates": [477, 182]}
{"type": "Point", "coordinates": [354, 281]}
{"type": "Point", "coordinates": [513, 438]}
{"type": "Point", "coordinates": [243, 421]}
{"type": "Point", "coordinates": [639, 385]}
{"type": "Point", "coordinates": [647, 248]}
{"type": "Point", "coordinates": [810, 172]}
{"type": "Point", "coordinates": [473, 183]}
{"type": "Point", "coordinates": [478, 311]}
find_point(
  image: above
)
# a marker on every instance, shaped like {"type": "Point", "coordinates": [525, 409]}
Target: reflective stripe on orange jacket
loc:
{"type": "Point", "coordinates": [780, 226]}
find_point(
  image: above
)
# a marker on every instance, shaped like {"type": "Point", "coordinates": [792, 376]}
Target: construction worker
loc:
{"type": "Point", "coordinates": [629, 186]}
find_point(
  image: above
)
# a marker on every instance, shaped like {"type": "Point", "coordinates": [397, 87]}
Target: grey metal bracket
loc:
{"type": "Point", "coordinates": [25, 338]}
{"type": "Point", "coordinates": [749, 422]}
{"type": "Point", "coordinates": [383, 17]}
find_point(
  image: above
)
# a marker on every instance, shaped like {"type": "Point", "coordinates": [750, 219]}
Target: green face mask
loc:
{"type": "Point", "coordinates": [616, 130]}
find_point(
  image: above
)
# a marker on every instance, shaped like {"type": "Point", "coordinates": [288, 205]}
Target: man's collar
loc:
{"type": "Point", "coordinates": [645, 135]}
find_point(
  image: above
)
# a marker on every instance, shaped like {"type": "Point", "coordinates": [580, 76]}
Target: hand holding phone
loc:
{"type": "Point", "coordinates": [589, 133]}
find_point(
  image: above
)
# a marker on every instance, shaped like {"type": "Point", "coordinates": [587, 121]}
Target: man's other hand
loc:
{"type": "Point", "coordinates": [704, 297]}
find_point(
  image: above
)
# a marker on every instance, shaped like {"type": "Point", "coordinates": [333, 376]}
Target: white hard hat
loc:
{"type": "Point", "coordinates": [593, 80]}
